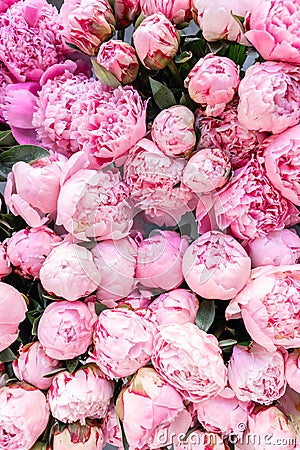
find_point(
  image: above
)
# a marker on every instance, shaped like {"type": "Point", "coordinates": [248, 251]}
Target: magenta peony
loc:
{"type": "Point", "coordinates": [177, 11]}
{"type": "Point", "coordinates": [126, 11]}
{"type": "Point", "coordinates": [5, 4]}
{"type": "Point", "coordinates": [120, 59]}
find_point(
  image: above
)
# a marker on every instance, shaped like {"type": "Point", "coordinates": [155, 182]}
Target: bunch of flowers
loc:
{"type": "Point", "coordinates": [149, 240]}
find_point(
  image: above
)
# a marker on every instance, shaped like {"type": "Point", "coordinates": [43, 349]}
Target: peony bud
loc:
{"type": "Point", "coordinates": [119, 58]}
{"type": "Point", "coordinates": [126, 11]}
{"type": "Point", "coordinates": [78, 437]}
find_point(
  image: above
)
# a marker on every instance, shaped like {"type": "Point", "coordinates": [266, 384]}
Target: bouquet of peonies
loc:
{"type": "Point", "coordinates": [149, 276]}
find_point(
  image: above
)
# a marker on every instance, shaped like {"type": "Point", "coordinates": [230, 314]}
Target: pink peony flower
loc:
{"type": "Point", "coordinates": [80, 395]}
{"type": "Point", "coordinates": [78, 437]}
{"type": "Point", "coordinates": [108, 122]}
{"type": "Point", "coordinates": [111, 429]}
{"type": "Point", "coordinates": [292, 370]}
{"type": "Point", "coordinates": [123, 341]}
{"type": "Point", "coordinates": [5, 4]}
{"type": "Point", "coordinates": [216, 266]}
{"type": "Point", "coordinates": [159, 260]}
{"type": "Point", "coordinates": [277, 248]}
{"type": "Point", "coordinates": [119, 58]}
{"type": "Point", "coordinates": [213, 82]}
{"type": "Point", "coordinates": [177, 11]}
{"type": "Point", "coordinates": [250, 367]}
{"type": "Point", "coordinates": [126, 11]}
{"type": "Point", "coordinates": [176, 306]}
{"type": "Point", "coordinates": [12, 312]}
{"type": "Point", "coordinates": [154, 402]}
{"type": "Point", "coordinates": [274, 30]}
{"type": "Point", "coordinates": [27, 249]}
{"type": "Point", "coordinates": [251, 206]}
{"type": "Point", "coordinates": [19, 427]}
{"type": "Point", "coordinates": [32, 189]}
{"type": "Point", "coordinates": [207, 170]}
{"type": "Point", "coordinates": [69, 272]}
{"type": "Point", "coordinates": [269, 97]}
{"type": "Point", "coordinates": [156, 41]}
{"type": "Point", "coordinates": [33, 29]}
{"type": "Point", "coordinates": [269, 305]}
{"type": "Point", "coordinates": [87, 23]}
{"type": "Point", "coordinates": [32, 364]}
{"type": "Point", "coordinates": [226, 132]}
{"type": "Point", "coordinates": [173, 131]}
{"type": "Point", "coordinates": [3, 375]}
{"type": "Point", "coordinates": [93, 204]}
{"type": "Point", "coordinates": [214, 17]}
{"type": "Point", "coordinates": [116, 261]}
{"type": "Point", "coordinates": [5, 267]}
{"type": "Point", "coordinates": [66, 329]}
{"type": "Point", "coordinates": [190, 360]}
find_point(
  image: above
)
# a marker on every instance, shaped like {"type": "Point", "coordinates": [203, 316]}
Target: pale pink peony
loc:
{"type": "Point", "coordinates": [269, 97]}
{"type": "Point", "coordinates": [281, 159]}
{"type": "Point", "coordinates": [126, 11]}
{"type": "Point", "coordinates": [33, 29]}
{"type": "Point", "coordinates": [156, 41]}
{"type": "Point", "coordinates": [207, 170]}
{"type": "Point", "coordinates": [5, 4]}
{"type": "Point", "coordinates": [154, 402]}
{"type": "Point", "coordinates": [12, 312]}
{"type": "Point", "coordinates": [119, 59]}
{"type": "Point", "coordinates": [78, 437]}
{"type": "Point", "coordinates": [190, 360]}
{"type": "Point", "coordinates": [177, 11]}
{"type": "Point", "coordinates": [87, 23]}
{"type": "Point", "coordinates": [256, 374]}
{"type": "Point", "coordinates": [108, 122]}
{"type": "Point", "coordinates": [69, 272]}
{"type": "Point", "coordinates": [66, 329]}
{"type": "Point", "coordinates": [27, 249]}
{"type": "Point", "coordinates": [116, 261]}
{"type": "Point", "coordinates": [80, 395]}
{"type": "Point", "coordinates": [251, 206]}
{"type": "Point", "coordinates": [269, 305]}
{"type": "Point", "coordinates": [213, 82]}
{"type": "Point", "coordinates": [214, 17]}
{"type": "Point", "coordinates": [173, 131]}
{"type": "Point", "coordinates": [226, 132]}
{"type": "Point", "coordinates": [216, 266]}
{"type": "Point", "coordinates": [277, 248]}
{"type": "Point", "coordinates": [3, 375]}
{"type": "Point", "coordinates": [93, 204]}
{"type": "Point", "coordinates": [138, 298]}
{"type": "Point", "coordinates": [199, 440]}
{"type": "Point", "coordinates": [274, 30]}
{"type": "Point", "coordinates": [110, 428]}
{"type": "Point", "coordinates": [159, 260]}
{"type": "Point", "coordinates": [5, 267]}
{"type": "Point", "coordinates": [32, 189]}
{"type": "Point", "coordinates": [176, 306]}
{"type": "Point", "coordinates": [123, 341]}
{"type": "Point", "coordinates": [19, 428]}
{"type": "Point", "coordinates": [292, 370]}
{"type": "Point", "coordinates": [33, 363]}
{"type": "Point", "coordinates": [289, 405]}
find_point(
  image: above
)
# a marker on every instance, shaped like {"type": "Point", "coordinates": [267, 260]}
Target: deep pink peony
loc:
{"type": "Point", "coordinates": [274, 30]}
{"type": "Point", "coordinates": [190, 360]}
{"type": "Point", "coordinates": [156, 41]}
{"type": "Point", "coordinates": [177, 11]}
{"type": "Point", "coordinates": [120, 59]}
{"type": "Point", "coordinates": [269, 305]}
{"type": "Point", "coordinates": [292, 370]}
{"type": "Point", "coordinates": [251, 206]}
{"type": "Point", "coordinates": [5, 4]}
{"type": "Point", "coordinates": [87, 23]}
{"type": "Point", "coordinates": [269, 97]}
{"type": "Point", "coordinates": [123, 341]}
{"type": "Point", "coordinates": [213, 82]}
{"type": "Point", "coordinates": [12, 312]}
{"type": "Point", "coordinates": [27, 249]}
{"type": "Point", "coordinates": [69, 271]}
{"type": "Point", "coordinates": [176, 306]}
{"type": "Point", "coordinates": [33, 29]}
{"type": "Point", "coordinates": [226, 132]}
{"type": "Point", "coordinates": [66, 329]}
{"type": "Point", "coordinates": [33, 363]}
{"type": "Point", "coordinates": [19, 427]}
{"type": "Point", "coordinates": [5, 267]}
{"type": "Point", "coordinates": [80, 395]}
{"type": "Point", "coordinates": [216, 266]}
{"type": "Point", "coordinates": [78, 437]}
{"type": "Point", "coordinates": [126, 11]}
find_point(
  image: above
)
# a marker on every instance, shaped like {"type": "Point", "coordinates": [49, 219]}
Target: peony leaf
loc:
{"type": "Point", "coordinates": [163, 96]}
{"type": "Point", "coordinates": [124, 440]}
{"type": "Point", "coordinates": [184, 57]}
{"type": "Point", "coordinates": [74, 47]}
{"type": "Point", "coordinates": [104, 75]}
{"type": "Point", "coordinates": [205, 314]}
{"type": "Point", "coordinates": [238, 53]}
{"type": "Point", "coordinates": [99, 307]}
{"type": "Point", "coordinates": [240, 21]}
{"type": "Point", "coordinates": [72, 364]}
{"type": "Point", "coordinates": [227, 343]}
{"type": "Point", "coordinates": [7, 139]}
{"type": "Point", "coordinates": [7, 355]}
{"type": "Point", "coordinates": [54, 372]}
{"type": "Point", "coordinates": [26, 153]}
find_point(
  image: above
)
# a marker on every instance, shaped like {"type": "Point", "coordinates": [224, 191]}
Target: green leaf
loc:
{"type": "Point", "coordinates": [7, 139]}
{"type": "Point", "coordinates": [112, 4]}
{"type": "Point", "coordinates": [26, 153]}
{"type": "Point", "coordinates": [71, 364]}
{"type": "Point", "coordinates": [184, 57]}
{"type": "Point", "coordinates": [163, 96]}
{"type": "Point", "coordinates": [240, 21]}
{"type": "Point", "coordinates": [205, 314]}
{"type": "Point", "coordinates": [54, 372]}
{"type": "Point", "coordinates": [196, 45]}
{"type": "Point", "coordinates": [74, 47]}
{"type": "Point", "coordinates": [99, 307]}
{"type": "Point", "coordinates": [124, 440]}
{"type": "Point", "coordinates": [227, 343]}
{"type": "Point", "coordinates": [35, 325]}
{"type": "Point", "coordinates": [217, 47]}
{"type": "Point", "coordinates": [104, 75]}
{"type": "Point", "coordinates": [7, 355]}
{"type": "Point", "coordinates": [238, 53]}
